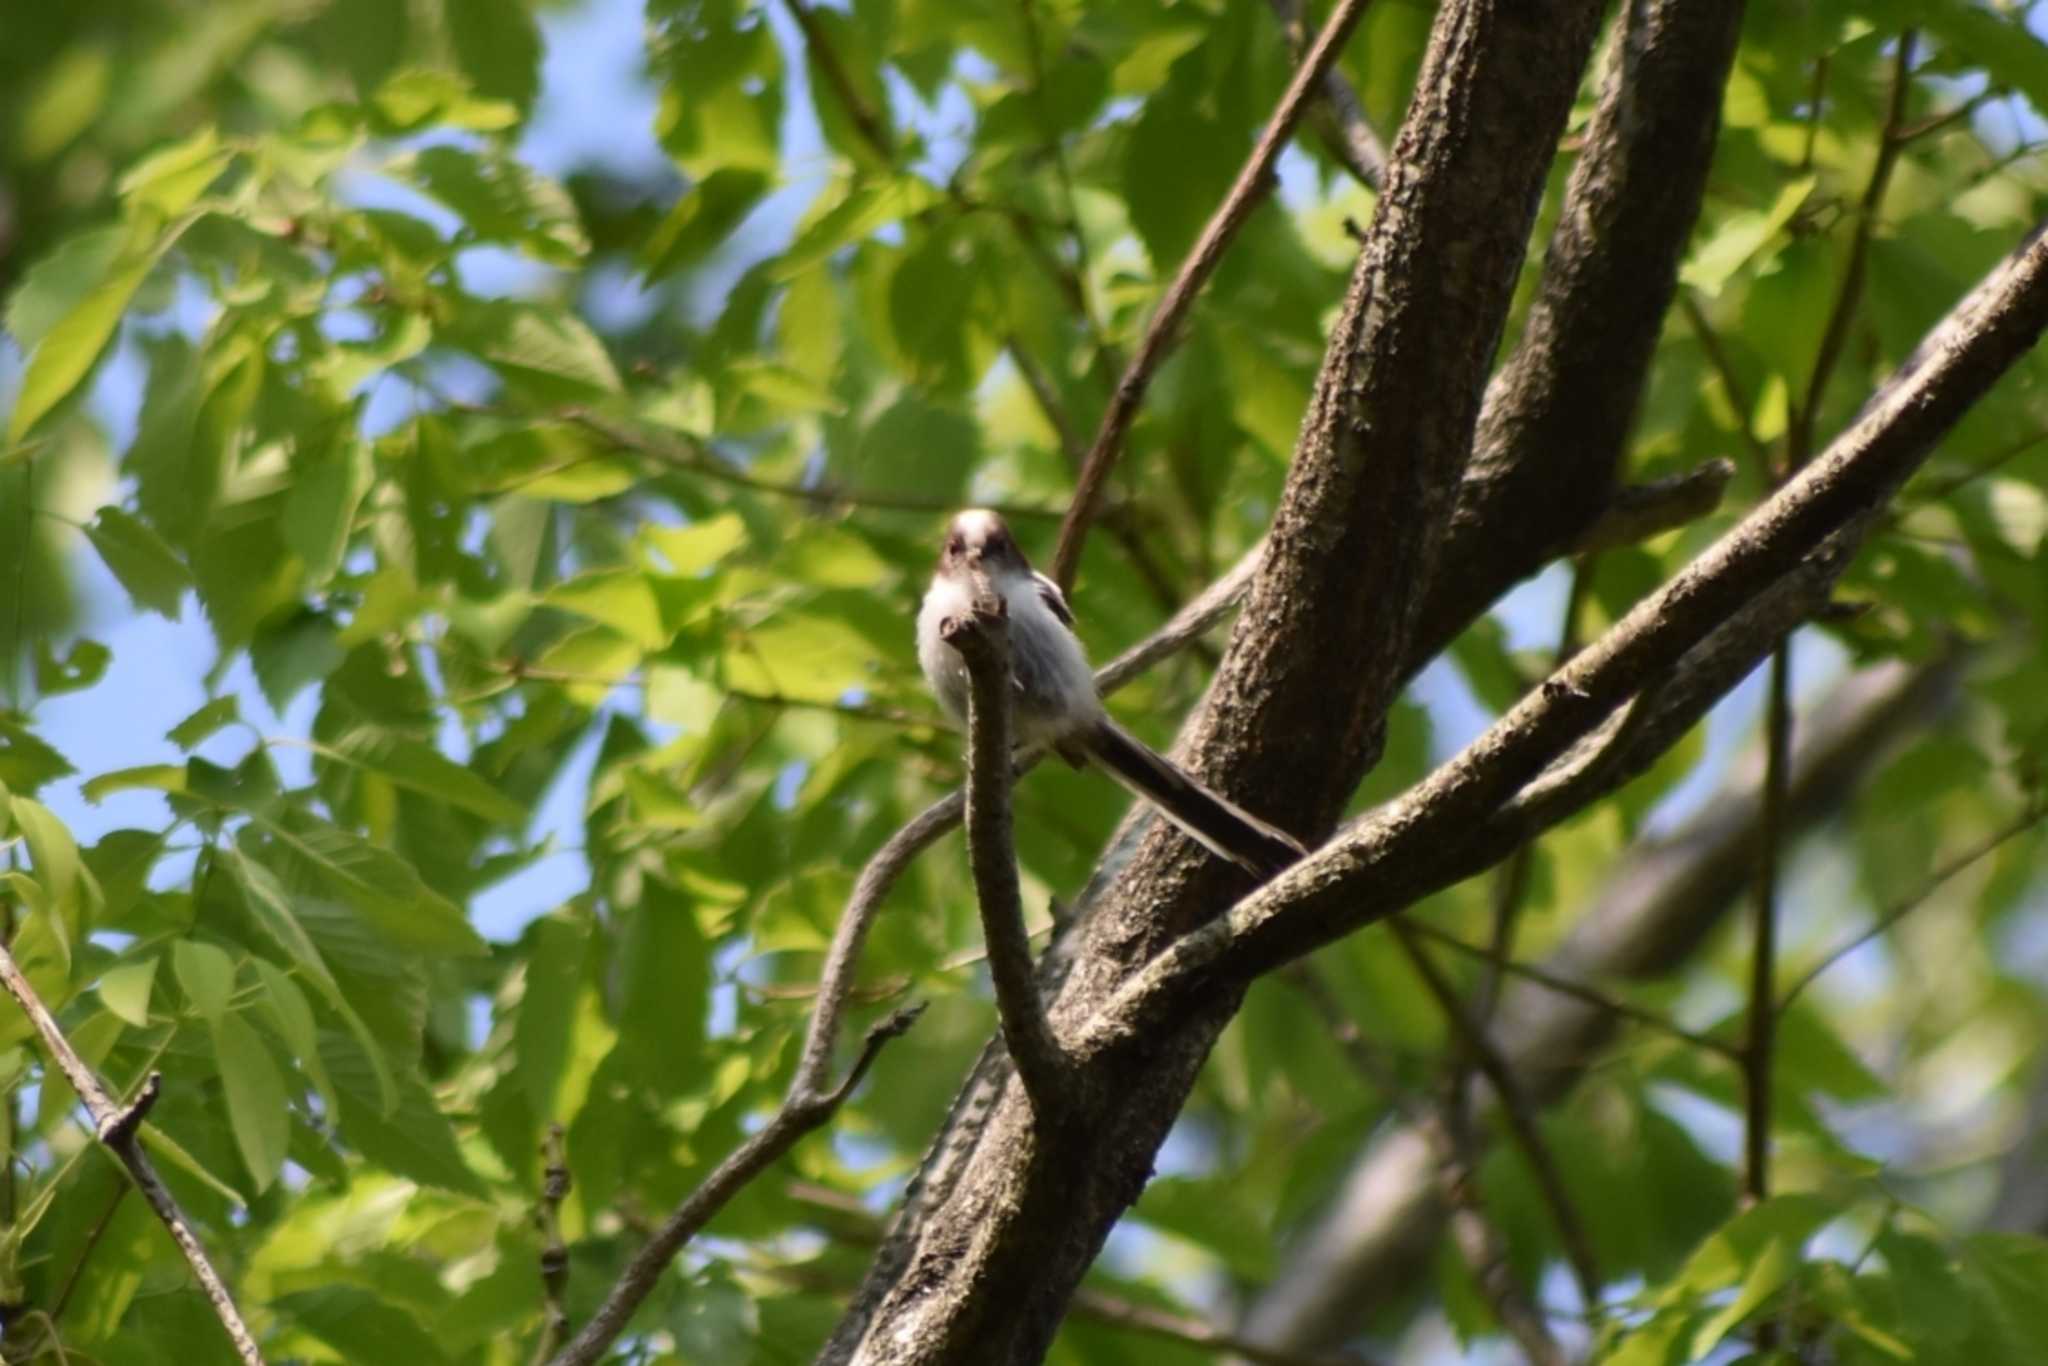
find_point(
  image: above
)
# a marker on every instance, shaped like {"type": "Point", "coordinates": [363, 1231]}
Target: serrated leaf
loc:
{"type": "Point", "coordinates": [797, 654]}
{"type": "Point", "coordinates": [206, 974]}
{"type": "Point", "coordinates": [170, 179]}
{"type": "Point", "coordinates": [82, 666]}
{"type": "Point", "coordinates": [320, 510]}
{"type": "Point", "coordinates": [167, 1149]}
{"type": "Point", "coordinates": [414, 1140]}
{"type": "Point", "coordinates": [141, 560]}
{"type": "Point", "coordinates": [273, 910]}
{"type": "Point", "coordinates": [548, 351]}
{"type": "Point", "coordinates": [422, 768]}
{"type": "Point", "coordinates": [501, 200]}
{"type": "Point", "coordinates": [360, 1326]}
{"type": "Point", "coordinates": [27, 761]}
{"type": "Point", "coordinates": [313, 854]}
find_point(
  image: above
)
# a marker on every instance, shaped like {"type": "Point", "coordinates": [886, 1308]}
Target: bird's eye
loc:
{"type": "Point", "coordinates": [954, 545]}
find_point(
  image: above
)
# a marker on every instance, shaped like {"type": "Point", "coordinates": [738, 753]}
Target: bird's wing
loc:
{"type": "Point", "coordinates": [1054, 600]}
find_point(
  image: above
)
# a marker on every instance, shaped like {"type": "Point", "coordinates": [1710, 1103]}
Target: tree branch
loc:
{"type": "Point", "coordinates": [554, 1253]}
{"type": "Point", "coordinates": [1557, 415]}
{"type": "Point", "coordinates": [1906, 905]}
{"type": "Point", "coordinates": [1657, 907]}
{"type": "Point", "coordinates": [118, 1128]}
{"type": "Point", "coordinates": [1253, 184]}
{"type": "Point", "coordinates": [1346, 131]}
{"type": "Point", "coordinates": [982, 639]}
{"type": "Point", "coordinates": [1835, 496]}
{"type": "Point", "coordinates": [799, 1115]}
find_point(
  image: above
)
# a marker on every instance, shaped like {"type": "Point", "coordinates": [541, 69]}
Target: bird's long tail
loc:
{"type": "Point", "coordinates": [1213, 820]}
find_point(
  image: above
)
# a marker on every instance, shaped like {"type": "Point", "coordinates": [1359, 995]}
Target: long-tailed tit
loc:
{"type": "Point", "coordinates": [1056, 702]}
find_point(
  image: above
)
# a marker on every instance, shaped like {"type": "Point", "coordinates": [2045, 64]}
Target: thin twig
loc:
{"type": "Point", "coordinates": [554, 1253]}
{"type": "Point", "coordinates": [798, 1116]}
{"type": "Point", "coordinates": [1905, 906]}
{"type": "Point", "coordinates": [982, 639]}
{"type": "Point", "coordinates": [1189, 1331]}
{"type": "Point", "coordinates": [85, 1251]}
{"type": "Point", "coordinates": [1637, 512]}
{"type": "Point", "coordinates": [697, 457]}
{"type": "Point", "coordinates": [1762, 1017]}
{"type": "Point", "coordinates": [1581, 992]}
{"type": "Point", "coordinates": [118, 1128]}
{"type": "Point", "coordinates": [1516, 1108]}
{"type": "Point", "coordinates": [1253, 183]}
{"type": "Point", "coordinates": [865, 119]}
{"type": "Point", "coordinates": [1724, 369]}
{"type": "Point", "coordinates": [1799, 423]}
{"type": "Point", "coordinates": [1347, 132]}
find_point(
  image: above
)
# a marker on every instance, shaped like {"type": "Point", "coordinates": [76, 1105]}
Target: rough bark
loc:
{"type": "Point", "coordinates": [1557, 415]}
{"type": "Point", "coordinates": [1006, 1217]}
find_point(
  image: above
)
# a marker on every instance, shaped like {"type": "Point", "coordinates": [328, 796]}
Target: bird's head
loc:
{"type": "Point", "coordinates": [979, 539]}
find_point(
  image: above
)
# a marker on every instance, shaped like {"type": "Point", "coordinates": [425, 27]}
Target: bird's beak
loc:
{"type": "Point", "coordinates": [974, 557]}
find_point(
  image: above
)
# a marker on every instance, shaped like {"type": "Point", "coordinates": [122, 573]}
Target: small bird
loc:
{"type": "Point", "coordinates": [1057, 704]}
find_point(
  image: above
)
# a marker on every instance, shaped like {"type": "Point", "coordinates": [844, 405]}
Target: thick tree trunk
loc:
{"type": "Point", "coordinates": [1008, 1212]}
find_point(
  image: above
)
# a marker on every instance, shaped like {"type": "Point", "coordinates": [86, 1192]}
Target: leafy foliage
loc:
{"type": "Point", "coordinates": [555, 530]}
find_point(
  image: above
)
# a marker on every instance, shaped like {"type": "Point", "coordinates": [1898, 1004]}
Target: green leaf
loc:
{"type": "Point", "coordinates": [26, 761]}
{"type": "Point", "coordinates": [501, 200]}
{"type": "Point", "coordinates": [167, 1149]}
{"type": "Point", "coordinates": [498, 45]}
{"type": "Point", "coordinates": [809, 656]}
{"type": "Point", "coordinates": [206, 974]}
{"type": "Point", "coordinates": [292, 1017]}
{"type": "Point", "coordinates": [359, 1325]}
{"type": "Point", "coordinates": [160, 777]}
{"type": "Point", "coordinates": [591, 663]}
{"type": "Point", "coordinates": [169, 180]}
{"type": "Point", "coordinates": [205, 722]}
{"type": "Point", "coordinates": [423, 769]}
{"type": "Point", "coordinates": [313, 855]}
{"type": "Point", "coordinates": [1740, 237]}
{"type": "Point", "coordinates": [320, 510]}
{"type": "Point", "coordinates": [690, 550]}
{"type": "Point", "coordinates": [54, 856]}
{"type": "Point", "coordinates": [82, 666]}
{"type": "Point", "coordinates": [703, 218]}
{"type": "Point", "coordinates": [257, 1108]}
{"type": "Point", "coordinates": [546, 1020]}
{"type": "Point", "coordinates": [548, 352]}
{"type": "Point", "coordinates": [57, 283]}
{"type": "Point", "coordinates": [664, 991]}
{"type": "Point", "coordinates": [67, 355]}
{"type": "Point", "coordinates": [1758, 1251]}
{"type": "Point", "coordinates": [414, 1140]}
{"type": "Point", "coordinates": [124, 990]}
{"type": "Point", "coordinates": [144, 564]}
{"type": "Point", "coordinates": [620, 599]}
